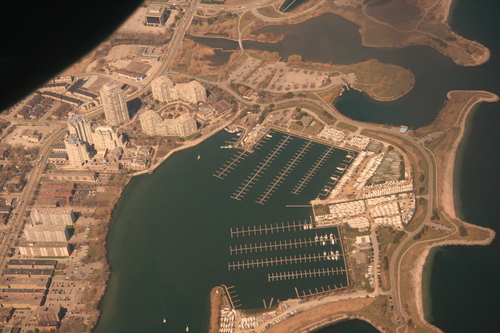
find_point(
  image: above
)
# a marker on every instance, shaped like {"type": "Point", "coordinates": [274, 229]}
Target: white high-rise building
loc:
{"type": "Point", "coordinates": [105, 137]}
{"type": "Point", "coordinates": [165, 90]}
{"type": "Point", "coordinates": [80, 127]}
{"type": "Point", "coordinates": [149, 122]}
{"type": "Point", "coordinates": [113, 102]}
{"type": "Point", "coordinates": [54, 216]}
{"type": "Point", "coordinates": [160, 87]}
{"type": "Point", "coordinates": [76, 150]}
{"type": "Point", "coordinates": [46, 233]}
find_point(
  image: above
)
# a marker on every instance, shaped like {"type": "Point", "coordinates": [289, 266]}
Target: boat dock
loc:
{"type": "Point", "coordinates": [312, 171]}
{"type": "Point", "coordinates": [304, 274]}
{"type": "Point", "coordinates": [335, 177]}
{"type": "Point", "coordinates": [247, 184]}
{"type": "Point", "coordinates": [254, 231]}
{"type": "Point", "coordinates": [230, 164]}
{"type": "Point", "coordinates": [279, 245]}
{"type": "Point", "coordinates": [286, 260]}
{"type": "Point", "coordinates": [289, 166]}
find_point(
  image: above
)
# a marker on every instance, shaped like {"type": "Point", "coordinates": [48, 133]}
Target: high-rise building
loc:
{"type": "Point", "coordinates": [46, 233]}
{"type": "Point", "coordinates": [55, 216]}
{"type": "Point", "coordinates": [113, 102]}
{"type": "Point", "coordinates": [149, 122]}
{"type": "Point", "coordinates": [165, 90]}
{"type": "Point", "coordinates": [80, 127]}
{"type": "Point", "coordinates": [160, 87]}
{"type": "Point", "coordinates": [105, 137]}
{"type": "Point", "coordinates": [76, 150]}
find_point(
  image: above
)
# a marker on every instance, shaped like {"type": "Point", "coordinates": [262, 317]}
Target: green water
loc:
{"type": "Point", "coordinates": [170, 239]}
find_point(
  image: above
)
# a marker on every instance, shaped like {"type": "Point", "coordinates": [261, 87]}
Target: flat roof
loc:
{"type": "Point", "coordinates": [32, 262]}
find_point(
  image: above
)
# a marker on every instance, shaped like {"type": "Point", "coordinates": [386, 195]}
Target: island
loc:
{"type": "Point", "coordinates": [156, 87]}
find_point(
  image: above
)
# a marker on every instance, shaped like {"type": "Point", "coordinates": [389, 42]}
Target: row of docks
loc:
{"type": "Point", "coordinates": [248, 323]}
{"type": "Point", "coordinates": [338, 174]}
{"type": "Point", "coordinates": [247, 184]}
{"type": "Point", "coordinates": [389, 190]}
{"type": "Point", "coordinates": [272, 228]}
{"type": "Point", "coordinates": [348, 174]}
{"type": "Point", "coordinates": [286, 260]}
{"type": "Point", "coordinates": [227, 320]}
{"type": "Point", "coordinates": [312, 171]}
{"type": "Point", "coordinates": [369, 169]}
{"type": "Point", "coordinates": [230, 164]}
{"type": "Point", "coordinates": [304, 274]}
{"type": "Point", "coordinates": [387, 209]}
{"type": "Point", "coordinates": [289, 166]}
{"type": "Point", "coordinates": [333, 134]}
{"type": "Point", "coordinates": [274, 246]}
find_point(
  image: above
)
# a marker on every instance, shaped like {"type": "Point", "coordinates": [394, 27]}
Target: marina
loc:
{"type": "Point", "coordinates": [286, 260]}
{"type": "Point", "coordinates": [305, 274]}
{"type": "Point", "coordinates": [278, 245]}
{"type": "Point", "coordinates": [230, 165]}
{"type": "Point", "coordinates": [312, 171]}
{"type": "Point", "coordinates": [249, 231]}
{"type": "Point", "coordinates": [284, 172]}
{"type": "Point", "coordinates": [247, 184]}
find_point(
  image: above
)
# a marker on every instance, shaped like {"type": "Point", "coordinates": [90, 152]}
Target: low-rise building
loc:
{"type": "Point", "coordinates": [46, 233]}
{"type": "Point", "coordinates": [54, 216]}
{"type": "Point", "coordinates": [44, 249]}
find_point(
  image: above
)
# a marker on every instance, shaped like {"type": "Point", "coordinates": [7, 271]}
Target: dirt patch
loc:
{"type": "Point", "coordinates": [320, 313]}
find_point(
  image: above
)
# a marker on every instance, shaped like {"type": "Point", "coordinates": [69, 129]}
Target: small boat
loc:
{"type": "Point", "coordinates": [164, 320]}
{"type": "Point", "coordinates": [198, 155]}
{"type": "Point", "coordinates": [269, 135]}
{"type": "Point", "coordinates": [187, 328]}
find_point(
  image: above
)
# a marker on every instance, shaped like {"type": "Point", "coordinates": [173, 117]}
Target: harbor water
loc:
{"type": "Point", "coordinates": [170, 238]}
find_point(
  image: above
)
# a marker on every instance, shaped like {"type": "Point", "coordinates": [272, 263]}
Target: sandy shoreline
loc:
{"type": "Point", "coordinates": [446, 202]}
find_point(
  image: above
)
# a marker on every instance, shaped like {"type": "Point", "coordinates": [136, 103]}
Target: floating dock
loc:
{"type": "Point", "coordinates": [286, 260]}
{"type": "Point", "coordinates": [230, 164]}
{"type": "Point", "coordinates": [289, 166]}
{"type": "Point", "coordinates": [247, 184]}
{"type": "Point", "coordinates": [278, 245]}
{"type": "Point", "coordinates": [304, 274]}
{"type": "Point", "coordinates": [264, 230]}
{"type": "Point", "coordinates": [312, 171]}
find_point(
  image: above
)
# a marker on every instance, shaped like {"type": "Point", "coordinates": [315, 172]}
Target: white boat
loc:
{"type": "Point", "coordinates": [199, 156]}
{"type": "Point", "coordinates": [164, 320]}
{"type": "Point", "coordinates": [187, 328]}
{"type": "Point", "coordinates": [340, 169]}
{"type": "Point", "coordinates": [269, 135]}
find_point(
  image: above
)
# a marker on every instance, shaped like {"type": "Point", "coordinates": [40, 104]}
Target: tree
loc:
{"type": "Point", "coordinates": [288, 95]}
{"type": "Point", "coordinates": [463, 231]}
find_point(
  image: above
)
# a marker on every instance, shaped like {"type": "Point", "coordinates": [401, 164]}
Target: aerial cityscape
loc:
{"type": "Point", "coordinates": [254, 166]}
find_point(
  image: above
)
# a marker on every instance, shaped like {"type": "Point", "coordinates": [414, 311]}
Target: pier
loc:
{"type": "Point", "coordinates": [230, 165]}
{"type": "Point", "coordinates": [260, 230]}
{"type": "Point", "coordinates": [286, 260]}
{"type": "Point", "coordinates": [304, 274]}
{"type": "Point", "coordinates": [247, 184]}
{"type": "Point", "coordinates": [312, 171]}
{"type": "Point", "coordinates": [335, 177]}
{"type": "Point", "coordinates": [284, 172]}
{"type": "Point", "coordinates": [278, 245]}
